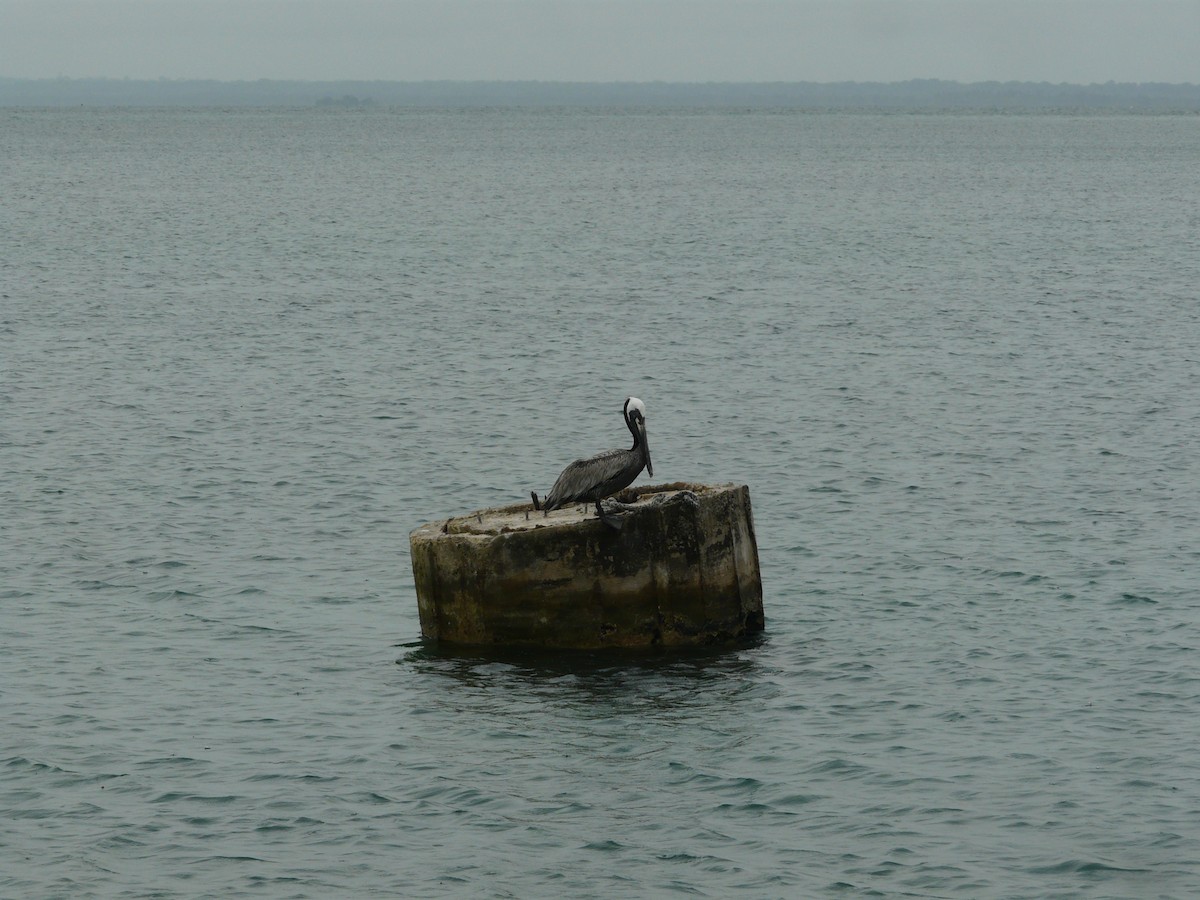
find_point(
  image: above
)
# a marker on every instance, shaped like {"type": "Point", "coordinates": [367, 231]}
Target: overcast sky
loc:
{"type": "Point", "coordinates": [1079, 41]}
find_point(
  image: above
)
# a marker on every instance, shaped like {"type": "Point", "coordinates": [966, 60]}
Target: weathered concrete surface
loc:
{"type": "Point", "coordinates": [682, 571]}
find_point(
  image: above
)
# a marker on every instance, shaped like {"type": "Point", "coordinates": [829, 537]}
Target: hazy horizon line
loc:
{"type": "Point", "coordinates": [922, 93]}
{"type": "Point", "coordinates": [568, 81]}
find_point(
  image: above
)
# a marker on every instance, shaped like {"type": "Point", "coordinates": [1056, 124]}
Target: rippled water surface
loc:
{"type": "Point", "coordinates": [243, 354]}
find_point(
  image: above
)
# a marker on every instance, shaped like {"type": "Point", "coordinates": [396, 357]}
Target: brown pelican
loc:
{"type": "Point", "coordinates": [606, 473]}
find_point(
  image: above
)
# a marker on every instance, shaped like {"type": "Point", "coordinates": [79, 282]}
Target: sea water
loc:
{"type": "Point", "coordinates": [955, 358]}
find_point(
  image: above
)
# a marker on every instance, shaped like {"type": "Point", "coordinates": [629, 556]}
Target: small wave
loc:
{"type": "Point", "coordinates": [609, 846]}
{"type": "Point", "coordinates": [99, 585]}
{"type": "Point", "coordinates": [172, 762]}
{"type": "Point", "coordinates": [841, 767]}
{"type": "Point", "coordinates": [797, 799]}
{"type": "Point", "coordinates": [170, 595]}
{"type": "Point", "coordinates": [21, 762]}
{"type": "Point", "coordinates": [227, 859]}
{"type": "Point", "coordinates": [1081, 867]}
{"type": "Point", "coordinates": [1128, 599]}
{"type": "Point", "coordinates": [177, 796]}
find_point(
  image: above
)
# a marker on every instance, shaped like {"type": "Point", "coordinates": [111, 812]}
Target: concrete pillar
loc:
{"type": "Point", "coordinates": [682, 571]}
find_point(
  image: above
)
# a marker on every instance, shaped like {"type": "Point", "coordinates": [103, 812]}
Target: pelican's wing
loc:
{"type": "Point", "coordinates": [580, 479]}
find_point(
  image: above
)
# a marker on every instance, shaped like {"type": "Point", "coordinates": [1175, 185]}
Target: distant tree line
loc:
{"type": "Point", "coordinates": [925, 94]}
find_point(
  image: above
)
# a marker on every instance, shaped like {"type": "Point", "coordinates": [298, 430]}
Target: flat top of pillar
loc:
{"type": "Point", "coordinates": [523, 517]}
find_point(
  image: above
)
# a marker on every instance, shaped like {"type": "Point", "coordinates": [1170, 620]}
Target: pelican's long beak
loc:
{"type": "Point", "coordinates": [646, 448]}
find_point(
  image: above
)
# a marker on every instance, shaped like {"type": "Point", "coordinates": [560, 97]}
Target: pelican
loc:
{"type": "Point", "coordinates": [606, 473]}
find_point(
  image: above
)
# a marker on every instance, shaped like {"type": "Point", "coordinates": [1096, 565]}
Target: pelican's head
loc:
{"type": "Point", "coordinates": [635, 418]}
{"type": "Point", "coordinates": [632, 405]}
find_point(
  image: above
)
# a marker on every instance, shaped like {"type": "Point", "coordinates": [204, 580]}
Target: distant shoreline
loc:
{"type": "Point", "coordinates": [918, 95]}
